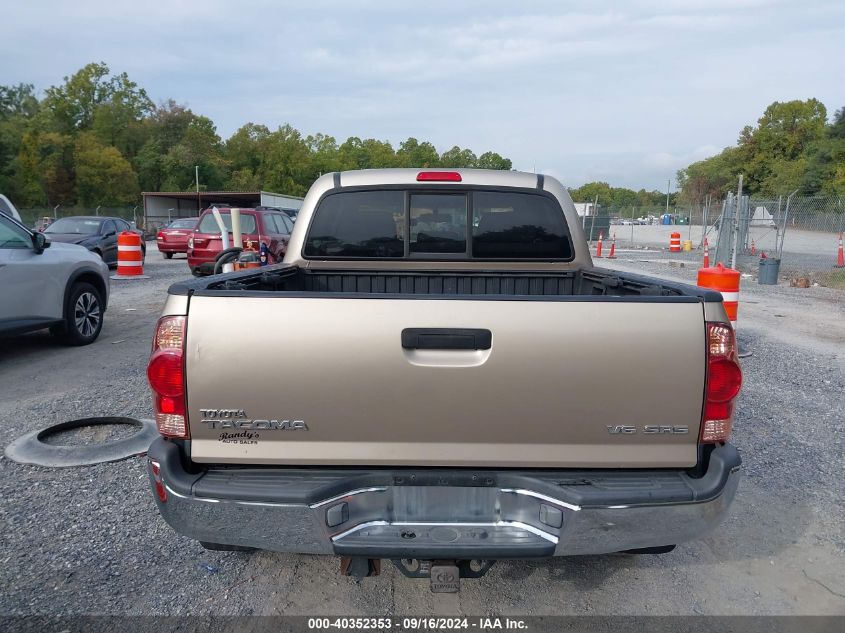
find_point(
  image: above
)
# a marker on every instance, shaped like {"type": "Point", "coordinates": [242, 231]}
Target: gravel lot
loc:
{"type": "Point", "coordinates": [90, 541]}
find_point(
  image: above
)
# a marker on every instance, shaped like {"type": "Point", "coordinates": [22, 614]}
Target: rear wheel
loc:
{"type": "Point", "coordinates": [83, 316]}
{"type": "Point", "coordinates": [662, 549]}
{"type": "Point", "coordinates": [168, 255]}
{"type": "Point", "coordinates": [220, 547]}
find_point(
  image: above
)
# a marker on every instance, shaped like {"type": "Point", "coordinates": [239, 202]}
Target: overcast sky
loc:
{"type": "Point", "coordinates": [624, 92]}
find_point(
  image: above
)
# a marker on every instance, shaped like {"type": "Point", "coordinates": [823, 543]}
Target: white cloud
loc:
{"type": "Point", "coordinates": [622, 92]}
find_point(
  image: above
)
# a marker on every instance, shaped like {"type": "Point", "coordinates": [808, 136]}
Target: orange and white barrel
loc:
{"type": "Point", "coordinates": [675, 242]}
{"type": "Point", "coordinates": [130, 256]}
{"type": "Point", "coordinates": [726, 281]}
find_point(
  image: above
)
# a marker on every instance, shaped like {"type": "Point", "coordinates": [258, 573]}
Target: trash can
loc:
{"type": "Point", "coordinates": [767, 274]}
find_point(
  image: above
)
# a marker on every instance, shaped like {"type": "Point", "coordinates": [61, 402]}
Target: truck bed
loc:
{"type": "Point", "coordinates": [296, 281]}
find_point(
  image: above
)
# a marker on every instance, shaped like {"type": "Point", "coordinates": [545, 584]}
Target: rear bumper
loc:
{"type": "Point", "coordinates": [427, 514]}
{"type": "Point", "coordinates": [172, 247]}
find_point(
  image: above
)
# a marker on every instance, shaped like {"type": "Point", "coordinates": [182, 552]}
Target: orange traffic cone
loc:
{"type": "Point", "coordinates": [598, 245]}
{"type": "Point", "coordinates": [706, 263]}
{"type": "Point", "coordinates": [612, 254]}
{"type": "Point", "coordinates": [840, 255]}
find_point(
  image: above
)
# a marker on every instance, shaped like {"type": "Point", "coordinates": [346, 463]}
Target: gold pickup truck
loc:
{"type": "Point", "coordinates": [437, 372]}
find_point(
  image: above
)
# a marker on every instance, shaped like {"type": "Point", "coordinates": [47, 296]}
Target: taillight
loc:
{"type": "Point", "coordinates": [190, 242]}
{"type": "Point", "coordinates": [724, 380]}
{"type": "Point", "coordinates": [438, 176]}
{"type": "Point", "coordinates": [166, 373]}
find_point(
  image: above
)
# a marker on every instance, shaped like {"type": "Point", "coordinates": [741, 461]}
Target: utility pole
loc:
{"type": "Point", "coordinates": [735, 236]}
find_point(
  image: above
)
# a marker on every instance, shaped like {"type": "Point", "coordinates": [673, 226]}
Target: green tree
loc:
{"type": "Point", "coordinates": [45, 169]}
{"type": "Point", "coordinates": [367, 154]}
{"type": "Point", "coordinates": [457, 157]}
{"type": "Point", "coordinates": [17, 101]}
{"type": "Point", "coordinates": [246, 147]}
{"type": "Point", "coordinates": [18, 105]}
{"type": "Point", "coordinates": [324, 155]}
{"type": "Point", "coordinates": [714, 176]}
{"type": "Point", "coordinates": [492, 160]}
{"type": "Point", "coordinates": [589, 191]}
{"type": "Point", "coordinates": [200, 146]}
{"type": "Point", "coordinates": [825, 171]}
{"type": "Point", "coordinates": [103, 175]}
{"type": "Point", "coordinates": [73, 103]}
{"type": "Point", "coordinates": [772, 155]}
{"type": "Point", "coordinates": [97, 136]}
{"type": "Point", "coordinates": [412, 153]}
{"type": "Point", "coordinates": [285, 165]}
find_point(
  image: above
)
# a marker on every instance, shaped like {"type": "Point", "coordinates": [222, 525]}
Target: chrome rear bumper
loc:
{"type": "Point", "coordinates": [442, 514]}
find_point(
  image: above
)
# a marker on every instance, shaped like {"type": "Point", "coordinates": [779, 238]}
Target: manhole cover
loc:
{"type": "Point", "coordinates": [84, 442]}
{"type": "Point", "coordinates": [119, 429]}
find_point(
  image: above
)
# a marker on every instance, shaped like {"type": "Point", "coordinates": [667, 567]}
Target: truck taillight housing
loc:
{"type": "Point", "coordinates": [166, 373]}
{"type": "Point", "coordinates": [724, 380]}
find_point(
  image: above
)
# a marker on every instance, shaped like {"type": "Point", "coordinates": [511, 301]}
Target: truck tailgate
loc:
{"type": "Point", "coordinates": [562, 383]}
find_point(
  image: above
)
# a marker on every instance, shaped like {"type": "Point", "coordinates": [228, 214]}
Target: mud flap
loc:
{"type": "Point", "coordinates": [359, 567]}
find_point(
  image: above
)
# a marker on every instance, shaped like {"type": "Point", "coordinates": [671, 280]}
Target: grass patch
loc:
{"type": "Point", "coordinates": [831, 278]}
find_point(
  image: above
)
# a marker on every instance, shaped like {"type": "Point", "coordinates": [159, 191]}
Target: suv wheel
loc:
{"type": "Point", "coordinates": [168, 255]}
{"type": "Point", "coordinates": [83, 316]}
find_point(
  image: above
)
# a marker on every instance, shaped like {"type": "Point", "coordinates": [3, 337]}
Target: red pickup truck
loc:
{"type": "Point", "coordinates": [271, 227]}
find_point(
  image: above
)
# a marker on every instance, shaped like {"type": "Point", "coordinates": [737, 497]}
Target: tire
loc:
{"type": "Point", "coordinates": [168, 255]}
{"type": "Point", "coordinates": [83, 316]}
{"type": "Point", "coordinates": [663, 549]}
{"type": "Point", "coordinates": [220, 547]}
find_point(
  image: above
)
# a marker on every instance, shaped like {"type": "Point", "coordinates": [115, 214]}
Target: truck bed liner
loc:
{"type": "Point", "coordinates": [296, 281]}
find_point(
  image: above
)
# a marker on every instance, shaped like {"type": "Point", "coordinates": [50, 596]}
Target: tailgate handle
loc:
{"type": "Point", "coordinates": [445, 338]}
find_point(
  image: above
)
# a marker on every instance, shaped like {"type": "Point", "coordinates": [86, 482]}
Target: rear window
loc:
{"type": "Point", "coordinates": [439, 225]}
{"type": "Point", "coordinates": [187, 223]}
{"type": "Point", "coordinates": [518, 226]}
{"type": "Point", "coordinates": [209, 225]}
{"type": "Point", "coordinates": [358, 224]}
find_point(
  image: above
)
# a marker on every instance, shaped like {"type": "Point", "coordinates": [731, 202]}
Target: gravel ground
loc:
{"type": "Point", "coordinates": [89, 540]}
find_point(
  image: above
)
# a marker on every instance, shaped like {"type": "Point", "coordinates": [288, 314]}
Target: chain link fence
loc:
{"type": "Point", "coordinates": [40, 217]}
{"type": "Point", "coordinates": [803, 232]}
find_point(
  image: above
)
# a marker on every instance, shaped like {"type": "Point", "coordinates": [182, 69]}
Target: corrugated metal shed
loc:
{"type": "Point", "coordinates": [162, 206]}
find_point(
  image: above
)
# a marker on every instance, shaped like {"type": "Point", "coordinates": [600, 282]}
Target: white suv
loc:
{"type": "Point", "coordinates": [63, 287]}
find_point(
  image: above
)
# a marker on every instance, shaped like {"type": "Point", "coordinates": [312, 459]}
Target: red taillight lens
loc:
{"type": "Point", "coordinates": [166, 373]}
{"type": "Point", "coordinates": [724, 380]}
{"type": "Point", "coordinates": [438, 176]}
